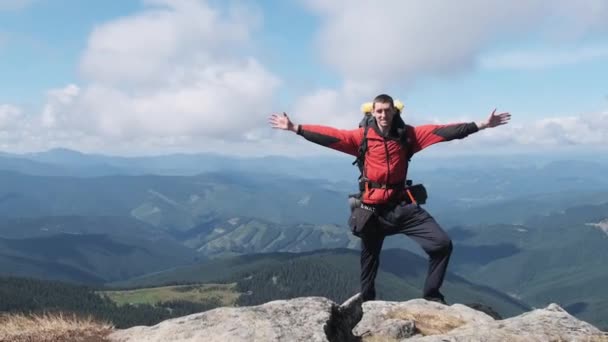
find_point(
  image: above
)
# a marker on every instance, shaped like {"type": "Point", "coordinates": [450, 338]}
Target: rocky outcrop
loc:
{"type": "Point", "coordinates": [424, 317]}
{"type": "Point", "coordinates": [313, 319]}
{"type": "Point", "coordinates": [319, 319]}
{"type": "Point", "coordinates": [435, 322]}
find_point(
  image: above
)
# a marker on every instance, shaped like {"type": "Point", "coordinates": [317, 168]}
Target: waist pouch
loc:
{"type": "Point", "coordinates": [417, 192]}
{"type": "Point", "coordinates": [361, 216]}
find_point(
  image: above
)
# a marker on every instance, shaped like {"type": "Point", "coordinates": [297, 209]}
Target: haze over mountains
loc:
{"type": "Point", "coordinates": [529, 227]}
{"type": "Point", "coordinates": [460, 181]}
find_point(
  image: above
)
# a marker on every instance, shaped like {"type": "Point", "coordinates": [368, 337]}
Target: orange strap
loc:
{"type": "Point", "coordinates": [409, 193]}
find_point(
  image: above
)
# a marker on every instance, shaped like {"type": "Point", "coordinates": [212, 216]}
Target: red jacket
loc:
{"type": "Point", "coordinates": [386, 161]}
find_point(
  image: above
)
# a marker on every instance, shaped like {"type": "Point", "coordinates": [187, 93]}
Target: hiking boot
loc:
{"type": "Point", "coordinates": [438, 299]}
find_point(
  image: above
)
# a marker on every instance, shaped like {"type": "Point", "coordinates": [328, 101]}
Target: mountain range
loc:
{"type": "Point", "coordinates": [532, 229]}
{"type": "Point", "coordinates": [332, 273]}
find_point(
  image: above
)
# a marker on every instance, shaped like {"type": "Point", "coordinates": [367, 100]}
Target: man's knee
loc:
{"type": "Point", "coordinates": [443, 245]}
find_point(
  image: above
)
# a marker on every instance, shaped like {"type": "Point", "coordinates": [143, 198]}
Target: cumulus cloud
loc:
{"type": "Point", "coordinates": [10, 117]}
{"type": "Point", "coordinates": [335, 107]}
{"type": "Point", "coordinates": [589, 130]}
{"type": "Point", "coordinates": [17, 133]}
{"type": "Point", "coordinates": [178, 73]}
{"type": "Point", "coordinates": [553, 133]}
{"type": "Point", "coordinates": [167, 41]}
{"type": "Point", "coordinates": [586, 129]}
{"type": "Point", "coordinates": [542, 59]}
{"type": "Point", "coordinates": [387, 43]}
{"type": "Point", "coordinates": [177, 68]}
{"type": "Point", "coordinates": [56, 110]}
{"type": "Point", "coordinates": [395, 40]}
{"type": "Point", "coordinates": [223, 100]}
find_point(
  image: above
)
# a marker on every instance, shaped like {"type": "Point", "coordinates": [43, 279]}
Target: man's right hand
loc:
{"type": "Point", "coordinates": [282, 121]}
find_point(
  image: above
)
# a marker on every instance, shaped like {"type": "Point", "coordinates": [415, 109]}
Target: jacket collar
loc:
{"type": "Point", "coordinates": [392, 134]}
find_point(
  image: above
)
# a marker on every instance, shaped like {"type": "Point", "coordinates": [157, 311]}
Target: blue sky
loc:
{"type": "Point", "coordinates": [43, 42]}
{"type": "Point", "coordinates": [186, 75]}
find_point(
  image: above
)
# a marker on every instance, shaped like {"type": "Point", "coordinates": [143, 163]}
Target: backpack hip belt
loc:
{"type": "Point", "coordinates": [367, 184]}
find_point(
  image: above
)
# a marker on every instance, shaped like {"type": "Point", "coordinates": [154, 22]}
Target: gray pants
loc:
{"type": "Point", "coordinates": [415, 222]}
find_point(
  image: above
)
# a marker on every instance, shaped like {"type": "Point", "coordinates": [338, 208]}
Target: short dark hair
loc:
{"type": "Point", "coordinates": [383, 98]}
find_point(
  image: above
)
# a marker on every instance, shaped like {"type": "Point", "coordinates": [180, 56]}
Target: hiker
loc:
{"type": "Point", "coordinates": [384, 207]}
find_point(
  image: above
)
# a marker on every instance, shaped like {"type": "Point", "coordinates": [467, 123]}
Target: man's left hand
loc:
{"type": "Point", "coordinates": [495, 120]}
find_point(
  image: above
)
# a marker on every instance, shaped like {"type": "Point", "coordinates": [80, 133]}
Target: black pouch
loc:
{"type": "Point", "coordinates": [359, 220]}
{"type": "Point", "coordinates": [418, 191]}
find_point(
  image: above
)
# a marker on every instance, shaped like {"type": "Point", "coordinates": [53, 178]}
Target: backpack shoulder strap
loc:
{"type": "Point", "coordinates": [360, 161]}
{"type": "Point", "coordinates": [408, 140]}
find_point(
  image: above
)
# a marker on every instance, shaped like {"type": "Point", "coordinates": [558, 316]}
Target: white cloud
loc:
{"type": "Point", "coordinates": [551, 133]}
{"type": "Point", "coordinates": [178, 76]}
{"type": "Point", "coordinates": [398, 41]}
{"type": "Point", "coordinates": [177, 73]}
{"type": "Point", "coordinates": [10, 117]}
{"type": "Point", "coordinates": [20, 134]}
{"type": "Point", "coordinates": [387, 43]}
{"type": "Point", "coordinates": [540, 59]}
{"type": "Point", "coordinates": [161, 45]}
{"type": "Point", "coordinates": [584, 131]}
{"type": "Point", "coordinates": [339, 108]}
{"type": "Point", "coordinates": [54, 113]}
{"type": "Point", "coordinates": [587, 129]}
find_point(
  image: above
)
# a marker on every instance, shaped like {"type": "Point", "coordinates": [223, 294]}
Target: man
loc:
{"type": "Point", "coordinates": [384, 175]}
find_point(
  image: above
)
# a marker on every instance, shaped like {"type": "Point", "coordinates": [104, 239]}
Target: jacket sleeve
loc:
{"type": "Point", "coordinates": [427, 135]}
{"type": "Point", "coordinates": [346, 141]}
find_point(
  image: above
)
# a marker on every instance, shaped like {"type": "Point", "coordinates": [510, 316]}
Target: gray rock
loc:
{"type": "Point", "coordinates": [549, 324]}
{"type": "Point", "coordinates": [396, 329]}
{"type": "Point", "coordinates": [301, 319]}
{"type": "Point", "coordinates": [485, 309]}
{"type": "Point", "coordinates": [421, 315]}
{"type": "Point", "coordinates": [319, 319]}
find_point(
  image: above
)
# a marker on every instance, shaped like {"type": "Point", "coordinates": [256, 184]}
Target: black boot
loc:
{"type": "Point", "coordinates": [438, 297]}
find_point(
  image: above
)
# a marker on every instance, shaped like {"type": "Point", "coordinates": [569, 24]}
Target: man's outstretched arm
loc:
{"type": "Point", "coordinates": [346, 141]}
{"type": "Point", "coordinates": [427, 135]}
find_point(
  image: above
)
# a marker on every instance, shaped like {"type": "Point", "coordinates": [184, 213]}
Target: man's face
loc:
{"type": "Point", "coordinates": [383, 112]}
